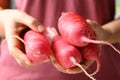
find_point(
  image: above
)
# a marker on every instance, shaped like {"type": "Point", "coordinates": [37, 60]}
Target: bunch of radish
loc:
{"type": "Point", "coordinates": [75, 43]}
{"type": "Point", "coordinates": [67, 55]}
{"type": "Point", "coordinates": [76, 32]}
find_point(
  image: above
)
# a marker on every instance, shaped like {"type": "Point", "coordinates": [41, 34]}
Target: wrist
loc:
{"type": "Point", "coordinates": [0, 8]}
{"type": "Point", "coordinates": [112, 31]}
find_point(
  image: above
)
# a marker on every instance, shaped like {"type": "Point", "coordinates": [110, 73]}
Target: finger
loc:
{"type": "Point", "coordinates": [16, 51]}
{"type": "Point", "coordinates": [93, 25]}
{"type": "Point", "coordinates": [20, 57]}
{"type": "Point", "coordinates": [30, 22]}
{"type": "Point", "coordinates": [14, 46]}
{"type": "Point", "coordinates": [76, 69]}
{"type": "Point", "coordinates": [56, 63]}
{"type": "Point", "coordinates": [73, 70]}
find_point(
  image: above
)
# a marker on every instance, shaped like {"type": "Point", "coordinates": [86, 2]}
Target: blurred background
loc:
{"type": "Point", "coordinates": [116, 15]}
{"type": "Point", "coordinates": [117, 9]}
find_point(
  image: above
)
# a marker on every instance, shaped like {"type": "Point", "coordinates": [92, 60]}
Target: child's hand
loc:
{"type": "Point", "coordinates": [12, 23]}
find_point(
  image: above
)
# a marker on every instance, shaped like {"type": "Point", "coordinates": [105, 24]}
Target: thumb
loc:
{"type": "Point", "coordinates": [99, 32]}
{"type": "Point", "coordinates": [31, 22]}
{"type": "Point", "coordinates": [93, 24]}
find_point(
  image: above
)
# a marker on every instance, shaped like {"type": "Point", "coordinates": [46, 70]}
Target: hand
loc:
{"type": "Point", "coordinates": [100, 32]}
{"type": "Point", "coordinates": [73, 70]}
{"type": "Point", "coordinates": [13, 22]}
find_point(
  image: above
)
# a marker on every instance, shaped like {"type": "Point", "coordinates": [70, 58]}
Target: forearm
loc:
{"type": "Point", "coordinates": [113, 28]}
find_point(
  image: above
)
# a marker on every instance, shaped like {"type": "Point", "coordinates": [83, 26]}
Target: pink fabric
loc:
{"type": "Point", "coordinates": [48, 12]}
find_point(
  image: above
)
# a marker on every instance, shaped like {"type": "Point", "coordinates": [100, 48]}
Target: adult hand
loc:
{"type": "Point", "coordinates": [100, 32]}
{"type": "Point", "coordinates": [74, 70]}
{"type": "Point", "coordinates": [13, 22]}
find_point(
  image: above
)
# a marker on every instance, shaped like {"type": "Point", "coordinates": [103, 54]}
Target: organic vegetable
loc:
{"type": "Point", "coordinates": [76, 30]}
{"type": "Point", "coordinates": [64, 52]}
{"type": "Point", "coordinates": [91, 52]}
{"type": "Point", "coordinates": [67, 55]}
{"type": "Point", "coordinates": [37, 46]}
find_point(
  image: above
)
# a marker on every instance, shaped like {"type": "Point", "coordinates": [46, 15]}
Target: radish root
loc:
{"type": "Point", "coordinates": [74, 62]}
{"type": "Point", "coordinates": [97, 69]}
{"type": "Point", "coordinates": [100, 42]}
{"type": "Point", "coordinates": [33, 52]}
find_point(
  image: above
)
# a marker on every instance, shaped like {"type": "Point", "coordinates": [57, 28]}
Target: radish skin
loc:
{"type": "Point", "coordinates": [39, 47]}
{"type": "Point", "coordinates": [65, 51]}
{"type": "Point", "coordinates": [77, 31]}
{"type": "Point", "coordinates": [91, 52]}
{"type": "Point", "coordinates": [62, 49]}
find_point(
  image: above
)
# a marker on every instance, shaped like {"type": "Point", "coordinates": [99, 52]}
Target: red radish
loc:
{"type": "Point", "coordinates": [76, 30]}
{"type": "Point", "coordinates": [37, 46]}
{"type": "Point", "coordinates": [91, 52]}
{"type": "Point", "coordinates": [68, 55]}
{"type": "Point", "coordinates": [64, 52]}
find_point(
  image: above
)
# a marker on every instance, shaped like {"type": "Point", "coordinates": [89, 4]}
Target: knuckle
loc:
{"type": "Point", "coordinates": [33, 22]}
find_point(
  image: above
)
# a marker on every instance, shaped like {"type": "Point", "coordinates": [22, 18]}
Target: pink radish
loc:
{"type": "Point", "coordinates": [64, 51]}
{"type": "Point", "coordinates": [76, 30]}
{"type": "Point", "coordinates": [91, 52]}
{"type": "Point", "coordinates": [67, 55]}
{"type": "Point", "coordinates": [37, 46]}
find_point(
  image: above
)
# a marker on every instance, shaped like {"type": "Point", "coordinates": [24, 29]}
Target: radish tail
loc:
{"type": "Point", "coordinates": [26, 45]}
{"type": "Point", "coordinates": [100, 42]}
{"type": "Point", "coordinates": [74, 62]}
{"type": "Point", "coordinates": [52, 32]}
{"type": "Point", "coordinates": [97, 69]}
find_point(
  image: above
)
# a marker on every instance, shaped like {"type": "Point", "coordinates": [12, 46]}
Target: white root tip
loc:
{"type": "Point", "coordinates": [97, 70]}
{"type": "Point", "coordinates": [99, 42]}
{"type": "Point", "coordinates": [74, 62]}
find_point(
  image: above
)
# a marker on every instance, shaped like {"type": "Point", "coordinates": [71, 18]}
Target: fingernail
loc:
{"type": "Point", "coordinates": [27, 63]}
{"type": "Point", "coordinates": [88, 20]}
{"type": "Point", "coordinates": [41, 28]}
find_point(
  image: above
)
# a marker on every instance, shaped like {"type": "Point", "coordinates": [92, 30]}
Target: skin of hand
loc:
{"type": "Point", "coordinates": [108, 32]}
{"type": "Point", "coordinates": [73, 70]}
{"type": "Point", "coordinates": [100, 33]}
{"type": "Point", "coordinates": [12, 23]}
